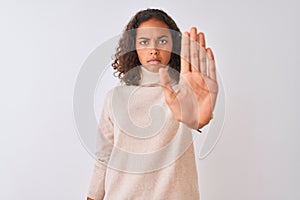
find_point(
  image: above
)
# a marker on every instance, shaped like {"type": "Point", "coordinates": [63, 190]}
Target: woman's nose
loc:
{"type": "Point", "coordinates": [154, 51]}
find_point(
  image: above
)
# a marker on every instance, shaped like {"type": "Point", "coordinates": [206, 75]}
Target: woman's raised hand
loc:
{"type": "Point", "coordinates": [194, 102]}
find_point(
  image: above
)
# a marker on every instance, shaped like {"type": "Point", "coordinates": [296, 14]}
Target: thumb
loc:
{"type": "Point", "coordinates": [165, 81]}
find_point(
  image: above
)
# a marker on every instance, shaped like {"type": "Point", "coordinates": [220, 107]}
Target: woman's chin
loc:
{"type": "Point", "coordinates": [154, 67]}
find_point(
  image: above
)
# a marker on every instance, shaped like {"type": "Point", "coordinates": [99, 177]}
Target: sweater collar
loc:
{"type": "Point", "coordinates": [149, 78]}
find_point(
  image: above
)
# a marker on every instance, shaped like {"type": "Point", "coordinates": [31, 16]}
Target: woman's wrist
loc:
{"type": "Point", "coordinates": [199, 129]}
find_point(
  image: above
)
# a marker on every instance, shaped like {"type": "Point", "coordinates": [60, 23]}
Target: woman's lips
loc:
{"type": "Point", "coordinates": [154, 62]}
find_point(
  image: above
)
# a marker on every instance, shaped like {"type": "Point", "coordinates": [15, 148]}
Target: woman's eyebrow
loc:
{"type": "Point", "coordinates": [162, 36]}
{"type": "Point", "coordinates": [144, 38]}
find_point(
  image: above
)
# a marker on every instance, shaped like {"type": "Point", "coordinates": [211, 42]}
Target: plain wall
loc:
{"type": "Point", "coordinates": [43, 45]}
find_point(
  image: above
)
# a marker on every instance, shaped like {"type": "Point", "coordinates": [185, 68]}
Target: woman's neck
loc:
{"type": "Point", "coordinates": [150, 78]}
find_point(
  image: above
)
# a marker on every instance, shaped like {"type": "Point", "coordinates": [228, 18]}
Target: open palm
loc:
{"type": "Point", "coordinates": [194, 102]}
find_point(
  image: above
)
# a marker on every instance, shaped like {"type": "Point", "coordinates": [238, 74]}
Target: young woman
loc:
{"type": "Point", "coordinates": [167, 76]}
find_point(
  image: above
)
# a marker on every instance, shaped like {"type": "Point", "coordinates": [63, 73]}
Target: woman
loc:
{"type": "Point", "coordinates": [166, 75]}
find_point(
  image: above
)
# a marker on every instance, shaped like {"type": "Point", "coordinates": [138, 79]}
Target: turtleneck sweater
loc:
{"type": "Point", "coordinates": [142, 151]}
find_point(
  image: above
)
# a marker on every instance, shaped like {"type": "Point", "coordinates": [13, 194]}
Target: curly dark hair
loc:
{"type": "Point", "coordinates": [126, 61]}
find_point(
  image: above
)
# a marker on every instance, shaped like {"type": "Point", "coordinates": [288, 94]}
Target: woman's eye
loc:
{"type": "Point", "coordinates": [163, 41]}
{"type": "Point", "coordinates": [144, 42]}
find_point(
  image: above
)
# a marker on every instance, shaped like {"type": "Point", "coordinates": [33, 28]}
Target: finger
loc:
{"type": "Point", "coordinates": [194, 50]}
{"type": "Point", "coordinates": [212, 64]}
{"type": "Point", "coordinates": [202, 54]}
{"type": "Point", "coordinates": [185, 53]}
{"type": "Point", "coordinates": [202, 39]}
{"type": "Point", "coordinates": [165, 81]}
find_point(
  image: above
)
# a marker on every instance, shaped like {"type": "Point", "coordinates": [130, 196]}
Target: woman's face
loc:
{"type": "Point", "coordinates": [154, 44]}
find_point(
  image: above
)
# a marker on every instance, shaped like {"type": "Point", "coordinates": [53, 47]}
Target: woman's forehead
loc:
{"type": "Point", "coordinates": [153, 27]}
{"type": "Point", "coordinates": [152, 32]}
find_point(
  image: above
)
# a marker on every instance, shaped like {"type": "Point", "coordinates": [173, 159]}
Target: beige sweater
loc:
{"type": "Point", "coordinates": [142, 151]}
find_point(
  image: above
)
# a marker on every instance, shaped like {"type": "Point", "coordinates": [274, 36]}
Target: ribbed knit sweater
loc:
{"type": "Point", "coordinates": [142, 151]}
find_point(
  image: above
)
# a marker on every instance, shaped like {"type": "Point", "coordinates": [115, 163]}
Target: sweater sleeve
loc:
{"type": "Point", "coordinates": [104, 145]}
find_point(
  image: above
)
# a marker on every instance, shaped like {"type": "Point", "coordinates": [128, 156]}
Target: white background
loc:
{"type": "Point", "coordinates": [43, 45]}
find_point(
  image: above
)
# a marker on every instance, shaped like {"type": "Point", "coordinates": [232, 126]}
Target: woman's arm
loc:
{"type": "Point", "coordinates": [104, 146]}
